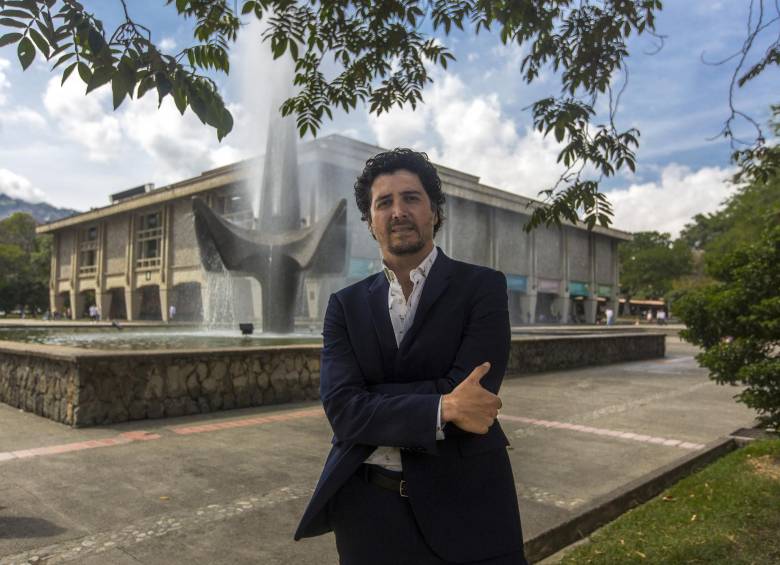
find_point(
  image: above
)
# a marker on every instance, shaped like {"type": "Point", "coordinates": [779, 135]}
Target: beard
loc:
{"type": "Point", "coordinates": [407, 246]}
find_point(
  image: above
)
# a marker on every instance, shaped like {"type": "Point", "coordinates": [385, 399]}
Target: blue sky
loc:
{"type": "Point", "coordinates": [70, 150]}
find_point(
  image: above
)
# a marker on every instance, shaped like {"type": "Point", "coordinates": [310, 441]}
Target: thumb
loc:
{"type": "Point", "coordinates": [479, 372]}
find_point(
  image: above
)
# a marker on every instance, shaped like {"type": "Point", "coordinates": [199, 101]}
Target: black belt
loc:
{"type": "Point", "coordinates": [378, 477]}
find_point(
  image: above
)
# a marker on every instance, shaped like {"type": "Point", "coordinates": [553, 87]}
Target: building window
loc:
{"type": "Point", "coordinates": [88, 245]}
{"type": "Point", "coordinates": [149, 241]}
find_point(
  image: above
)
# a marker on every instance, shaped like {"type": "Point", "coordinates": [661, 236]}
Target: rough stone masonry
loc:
{"type": "Point", "coordinates": [82, 387]}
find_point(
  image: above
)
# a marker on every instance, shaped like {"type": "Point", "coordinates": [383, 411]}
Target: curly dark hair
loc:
{"type": "Point", "coordinates": [400, 159]}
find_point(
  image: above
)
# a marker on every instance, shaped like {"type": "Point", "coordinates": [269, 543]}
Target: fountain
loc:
{"type": "Point", "coordinates": [279, 251]}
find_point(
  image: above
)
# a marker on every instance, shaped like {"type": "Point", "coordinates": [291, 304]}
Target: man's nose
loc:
{"type": "Point", "coordinates": [399, 210]}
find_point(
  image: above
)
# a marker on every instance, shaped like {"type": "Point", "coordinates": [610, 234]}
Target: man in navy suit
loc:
{"type": "Point", "coordinates": [412, 361]}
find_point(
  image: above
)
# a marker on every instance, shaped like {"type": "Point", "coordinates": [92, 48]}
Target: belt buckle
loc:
{"type": "Point", "coordinates": [402, 489]}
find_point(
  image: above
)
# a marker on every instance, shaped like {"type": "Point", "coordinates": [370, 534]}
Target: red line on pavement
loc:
{"type": "Point", "coordinates": [121, 439]}
{"type": "Point", "coordinates": [244, 422]}
{"type": "Point", "coordinates": [140, 435]}
{"type": "Point", "coordinates": [603, 432]}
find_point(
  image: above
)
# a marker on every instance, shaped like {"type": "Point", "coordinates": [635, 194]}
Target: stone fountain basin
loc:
{"type": "Point", "coordinates": [89, 387]}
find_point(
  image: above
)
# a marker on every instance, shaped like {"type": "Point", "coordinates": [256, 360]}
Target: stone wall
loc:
{"type": "Point", "coordinates": [82, 387]}
{"type": "Point", "coordinates": [40, 384]}
{"type": "Point", "coordinates": [555, 353]}
{"type": "Point", "coordinates": [86, 388]}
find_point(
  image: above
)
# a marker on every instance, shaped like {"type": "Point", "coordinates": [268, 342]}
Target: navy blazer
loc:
{"type": "Point", "coordinates": [374, 392]}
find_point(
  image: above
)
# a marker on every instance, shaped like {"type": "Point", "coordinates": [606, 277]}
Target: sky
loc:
{"type": "Point", "coordinates": [70, 150]}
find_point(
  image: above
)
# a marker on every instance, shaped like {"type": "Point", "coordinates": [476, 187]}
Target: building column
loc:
{"type": "Point", "coordinates": [103, 300]}
{"type": "Point", "coordinates": [54, 274]}
{"type": "Point", "coordinates": [132, 304]}
{"type": "Point", "coordinates": [528, 302]}
{"type": "Point", "coordinates": [591, 306]}
{"type": "Point", "coordinates": [76, 304]}
{"type": "Point", "coordinates": [591, 302]}
{"type": "Point", "coordinates": [615, 297]}
{"type": "Point", "coordinates": [528, 307]}
{"type": "Point", "coordinates": [564, 301]}
{"type": "Point", "coordinates": [57, 303]}
{"type": "Point", "coordinates": [165, 295]}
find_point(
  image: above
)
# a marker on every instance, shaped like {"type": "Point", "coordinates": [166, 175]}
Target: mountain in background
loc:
{"type": "Point", "coordinates": [41, 211]}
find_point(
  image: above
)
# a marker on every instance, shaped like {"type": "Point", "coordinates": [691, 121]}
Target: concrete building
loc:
{"type": "Point", "coordinates": [137, 256]}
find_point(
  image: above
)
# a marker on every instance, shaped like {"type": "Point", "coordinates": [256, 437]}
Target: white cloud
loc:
{"type": "Point", "coordinates": [472, 133]}
{"type": "Point", "coordinates": [5, 84]}
{"type": "Point", "coordinates": [167, 44]}
{"type": "Point", "coordinates": [21, 115]}
{"type": "Point", "coordinates": [84, 118]}
{"type": "Point", "coordinates": [667, 205]}
{"type": "Point", "coordinates": [17, 186]}
{"type": "Point", "coordinates": [180, 146]}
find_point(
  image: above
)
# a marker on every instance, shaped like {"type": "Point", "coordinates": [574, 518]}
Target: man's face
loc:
{"type": "Point", "coordinates": [401, 216]}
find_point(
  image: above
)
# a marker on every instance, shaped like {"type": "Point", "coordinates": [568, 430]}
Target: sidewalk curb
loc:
{"type": "Point", "coordinates": [606, 508]}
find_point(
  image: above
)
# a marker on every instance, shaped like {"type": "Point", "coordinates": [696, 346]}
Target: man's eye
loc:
{"type": "Point", "coordinates": [381, 204]}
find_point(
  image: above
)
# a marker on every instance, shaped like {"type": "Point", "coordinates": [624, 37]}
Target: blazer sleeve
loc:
{"type": "Point", "coordinates": [486, 337]}
{"type": "Point", "coordinates": [356, 413]}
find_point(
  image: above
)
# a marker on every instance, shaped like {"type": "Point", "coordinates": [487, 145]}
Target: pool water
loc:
{"type": "Point", "coordinates": [130, 339]}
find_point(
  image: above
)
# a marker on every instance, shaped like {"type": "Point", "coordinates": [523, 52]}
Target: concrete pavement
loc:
{"type": "Point", "coordinates": [230, 487]}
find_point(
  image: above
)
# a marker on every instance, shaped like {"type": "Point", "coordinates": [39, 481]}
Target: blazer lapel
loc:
{"type": "Point", "coordinates": [380, 316]}
{"type": "Point", "coordinates": [437, 282]}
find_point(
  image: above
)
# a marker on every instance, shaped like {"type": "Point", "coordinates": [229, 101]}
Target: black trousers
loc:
{"type": "Point", "coordinates": [376, 526]}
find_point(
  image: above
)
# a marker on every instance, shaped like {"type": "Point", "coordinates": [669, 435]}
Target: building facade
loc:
{"type": "Point", "coordinates": [139, 255]}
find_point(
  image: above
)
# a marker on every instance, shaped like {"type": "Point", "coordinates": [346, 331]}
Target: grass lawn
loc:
{"type": "Point", "coordinates": [729, 512]}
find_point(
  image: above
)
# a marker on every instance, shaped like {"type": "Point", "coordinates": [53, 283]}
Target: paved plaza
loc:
{"type": "Point", "coordinates": [228, 488]}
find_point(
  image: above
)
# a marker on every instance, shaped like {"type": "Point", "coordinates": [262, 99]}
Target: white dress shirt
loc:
{"type": "Point", "coordinates": [402, 312]}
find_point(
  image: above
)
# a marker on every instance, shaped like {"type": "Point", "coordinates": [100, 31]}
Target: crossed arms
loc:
{"type": "Point", "coordinates": [405, 414]}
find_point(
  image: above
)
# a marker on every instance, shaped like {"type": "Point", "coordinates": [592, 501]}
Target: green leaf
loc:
{"type": "Point", "coordinates": [95, 41]}
{"type": "Point", "coordinates": [9, 38]}
{"type": "Point", "coordinates": [164, 86]}
{"type": "Point", "coordinates": [16, 14]}
{"type": "Point", "coordinates": [118, 90]}
{"type": "Point", "coordinates": [100, 77]}
{"type": "Point", "coordinates": [40, 42]}
{"type": "Point", "coordinates": [62, 59]}
{"type": "Point", "coordinates": [145, 85]}
{"type": "Point", "coordinates": [26, 52]}
{"type": "Point", "coordinates": [12, 23]}
{"type": "Point", "coordinates": [67, 72]}
{"type": "Point", "coordinates": [180, 99]}
{"type": "Point", "coordinates": [127, 72]}
{"type": "Point", "coordinates": [84, 72]}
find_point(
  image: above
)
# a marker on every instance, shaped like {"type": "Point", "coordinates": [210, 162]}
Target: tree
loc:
{"type": "Point", "coordinates": [735, 224]}
{"type": "Point", "coordinates": [736, 320]}
{"type": "Point", "coordinates": [380, 49]}
{"type": "Point", "coordinates": [650, 263]}
{"type": "Point", "coordinates": [25, 261]}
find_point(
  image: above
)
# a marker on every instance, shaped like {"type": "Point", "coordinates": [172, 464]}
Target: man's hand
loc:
{"type": "Point", "coordinates": [470, 406]}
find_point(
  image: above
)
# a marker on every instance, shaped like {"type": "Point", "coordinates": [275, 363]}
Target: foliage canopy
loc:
{"type": "Point", "coordinates": [25, 261]}
{"type": "Point", "coordinates": [735, 224]}
{"type": "Point", "coordinates": [736, 320]}
{"type": "Point", "coordinates": [650, 263]}
{"type": "Point", "coordinates": [380, 50]}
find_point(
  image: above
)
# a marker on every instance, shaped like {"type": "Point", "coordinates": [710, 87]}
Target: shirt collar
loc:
{"type": "Point", "coordinates": [421, 270]}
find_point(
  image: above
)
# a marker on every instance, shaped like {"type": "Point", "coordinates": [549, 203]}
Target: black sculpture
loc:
{"type": "Point", "coordinates": [280, 250]}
